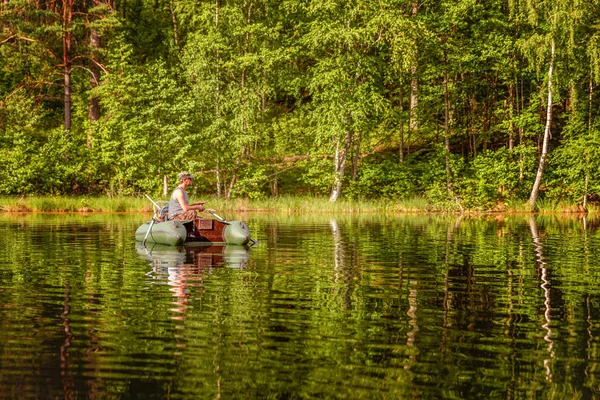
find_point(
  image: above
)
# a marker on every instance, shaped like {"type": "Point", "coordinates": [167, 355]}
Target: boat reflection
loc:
{"type": "Point", "coordinates": [186, 267]}
{"type": "Point", "coordinates": [198, 256]}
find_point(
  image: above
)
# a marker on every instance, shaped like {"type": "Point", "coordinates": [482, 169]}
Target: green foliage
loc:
{"type": "Point", "coordinates": [146, 132]}
{"type": "Point", "coordinates": [317, 176]}
{"type": "Point", "coordinates": [442, 191]}
{"type": "Point", "coordinates": [494, 177]}
{"type": "Point", "coordinates": [576, 165]}
{"type": "Point", "coordinates": [253, 185]}
{"type": "Point", "coordinates": [384, 177]}
{"type": "Point", "coordinates": [235, 90]}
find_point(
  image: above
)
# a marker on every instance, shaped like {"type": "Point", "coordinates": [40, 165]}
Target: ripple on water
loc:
{"type": "Point", "coordinates": [355, 307]}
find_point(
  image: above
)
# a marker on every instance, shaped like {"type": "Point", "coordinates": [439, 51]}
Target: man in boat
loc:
{"type": "Point", "coordinates": [179, 206]}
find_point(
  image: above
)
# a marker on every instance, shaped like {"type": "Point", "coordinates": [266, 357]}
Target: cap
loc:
{"type": "Point", "coordinates": [184, 175]}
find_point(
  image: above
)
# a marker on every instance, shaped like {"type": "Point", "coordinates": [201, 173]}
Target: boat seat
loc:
{"type": "Point", "coordinates": [204, 223]}
{"type": "Point", "coordinates": [200, 223]}
{"type": "Point", "coordinates": [164, 212]}
{"type": "Point", "coordinates": [161, 214]}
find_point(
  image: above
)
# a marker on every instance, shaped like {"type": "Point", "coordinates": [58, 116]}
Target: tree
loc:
{"type": "Point", "coordinates": [346, 79]}
{"type": "Point", "coordinates": [402, 33]}
{"type": "Point", "coordinates": [51, 39]}
{"type": "Point", "coordinates": [549, 40]}
{"type": "Point", "coordinates": [229, 60]}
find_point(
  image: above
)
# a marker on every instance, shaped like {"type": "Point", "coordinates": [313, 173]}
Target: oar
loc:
{"type": "Point", "coordinates": [148, 232]}
{"type": "Point", "coordinates": [216, 216]}
{"type": "Point", "coordinates": [153, 202]}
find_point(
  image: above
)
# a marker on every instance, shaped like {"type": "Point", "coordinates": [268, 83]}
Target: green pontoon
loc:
{"type": "Point", "coordinates": [203, 230]}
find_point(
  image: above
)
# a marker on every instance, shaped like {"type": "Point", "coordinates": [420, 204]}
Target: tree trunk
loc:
{"type": "Point", "coordinates": [587, 163]}
{"type": "Point", "coordinates": [218, 178]}
{"type": "Point", "coordinates": [511, 140]}
{"type": "Point", "coordinates": [217, 97]}
{"type": "Point", "coordinates": [471, 130]}
{"type": "Point", "coordinates": [401, 139]}
{"type": "Point", "coordinates": [356, 158]}
{"type": "Point", "coordinates": [67, 98]}
{"type": "Point", "coordinates": [66, 39]}
{"type": "Point", "coordinates": [520, 109]}
{"type": "Point", "coordinates": [245, 51]}
{"type": "Point", "coordinates": [231, 186]}
{"type": "Point", "coordinates": [540, 171]}
{"type": "Point", "coordinates": [94, 105]}
{"type": "Point", "coordinates": [174, 20]}
{"type": "Point", "coordinates": [414, 100]}
{"type": "Point", "coordinates": [414, 85]}
{"type": "Point", "coordinates": [591, 93]}
{"type": "Point", "coordinates": [340, 165]}
{"type": "Point", "coordinates": [447, 126]}
{"type": "Point", "coordinates": [587, 182]}
{"type": "Point", "coordinates": [274, 190]}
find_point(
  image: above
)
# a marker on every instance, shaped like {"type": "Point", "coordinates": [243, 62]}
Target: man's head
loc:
{"type": "Point", "coordinates": [184, 175]}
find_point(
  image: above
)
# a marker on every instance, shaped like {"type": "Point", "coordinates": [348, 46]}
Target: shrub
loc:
{"type": "Point", "coordinates": [383, 176]}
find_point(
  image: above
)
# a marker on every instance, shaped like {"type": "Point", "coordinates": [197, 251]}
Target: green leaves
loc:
{"type": "Point", "coordinates": [383, 98]}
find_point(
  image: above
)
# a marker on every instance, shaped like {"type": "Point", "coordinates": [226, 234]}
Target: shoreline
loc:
{"type": "Point", "coordinates": [287, 204]}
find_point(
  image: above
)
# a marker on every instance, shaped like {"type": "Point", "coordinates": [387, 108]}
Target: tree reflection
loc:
{"type": "Point", "coordinates": [339, 255]}
{"type": "Point", "coordinates": [546, 287]}
{"type": "Point", "coordinates": [67, 379]}
{"type": "Point", "coordinates": [396, 307]}
{"type": "Point", "coordinates": [345, 265]}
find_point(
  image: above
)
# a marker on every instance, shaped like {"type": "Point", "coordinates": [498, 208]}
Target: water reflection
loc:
{"type": "Point", "coordinates": [195, 256]}
{"type": "Point", "coordinates": [67, 379]}
{"type": "Point", "coordinates": [325, 307]}
{"type": "Point", "coordinates": [546, 287]}
{"type": "Point", "coordinates": [185, 270]}
{"type": "Point", "coordinates": [186, 267]}
{"type": "Point", "coordinates": [339, 255]}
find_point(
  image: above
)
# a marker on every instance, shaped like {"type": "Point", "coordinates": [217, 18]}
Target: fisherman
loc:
{"type": "Point", "coordinates": [179, 205]}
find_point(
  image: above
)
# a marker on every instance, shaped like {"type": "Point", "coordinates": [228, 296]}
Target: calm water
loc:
{"type": "Point", "coordinates": [324, 307]}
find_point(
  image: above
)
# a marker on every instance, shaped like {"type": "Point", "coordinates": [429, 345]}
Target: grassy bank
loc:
{"type": "Point", "coordinates": [279, 204]}
{"type": "Point", "coordinates": [75, 204]}
{"type": "Point", "coordinates": [141, 204]}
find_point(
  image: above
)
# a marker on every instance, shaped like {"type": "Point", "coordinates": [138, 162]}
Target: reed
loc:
{"type": "Point", "coordinates": [75, 204]}
{"type": "Point", "coordinates": [141, 204]}
{"type": "Point", "coordinates": [288, 204]}
{"type": "Point", "coordinates": [546, 206]}
{"type": "Point", "coordinates": [513, 205]}
{"type": "Point", "coordinates": [320, 204]}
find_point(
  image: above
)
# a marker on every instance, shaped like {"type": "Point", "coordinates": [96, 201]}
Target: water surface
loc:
{"type": "Point", "coordinates": [326, 306]}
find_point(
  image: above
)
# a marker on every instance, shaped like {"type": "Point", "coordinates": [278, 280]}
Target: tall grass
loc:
{"type": "Point", "coordinates": [141, 204]}
{"type": "Point", "coordinates": [289, 204]}
{"type": "Point", "coordinates": [319, 204]}
{"type": "Point", "coordinates": [75, 204]}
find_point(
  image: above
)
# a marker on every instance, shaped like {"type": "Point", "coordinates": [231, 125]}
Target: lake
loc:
{"type": "Point", "coordinates": [325, 306]}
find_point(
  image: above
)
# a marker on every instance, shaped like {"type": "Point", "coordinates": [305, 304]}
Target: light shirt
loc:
{"type": "Point", "coordinates": [174, 206]}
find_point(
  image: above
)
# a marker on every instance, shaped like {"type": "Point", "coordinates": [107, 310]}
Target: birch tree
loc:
{"type": "Point", "coordinates": [229, 59]}
{"type": "Point", "coordinates": [549, 39]}
{"type": "Point", "coordinates": [345, 81]}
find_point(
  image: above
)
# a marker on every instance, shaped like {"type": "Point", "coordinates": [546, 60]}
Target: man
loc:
{"type": "Point", "coordinates": [179, 206]}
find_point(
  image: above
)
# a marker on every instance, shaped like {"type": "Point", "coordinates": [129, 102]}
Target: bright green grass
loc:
{"type": "Point", "coordinates": [141, 204]}
{"type": "Point", "coordinates": [287, 204]}
{"type": "Point", "coordinates": [319, 204]}
{"type": "Point", "coordinates": [75, 204]}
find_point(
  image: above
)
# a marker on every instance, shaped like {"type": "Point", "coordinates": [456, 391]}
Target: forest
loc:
{"type": "Point", "coordinates": [470, 104]}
